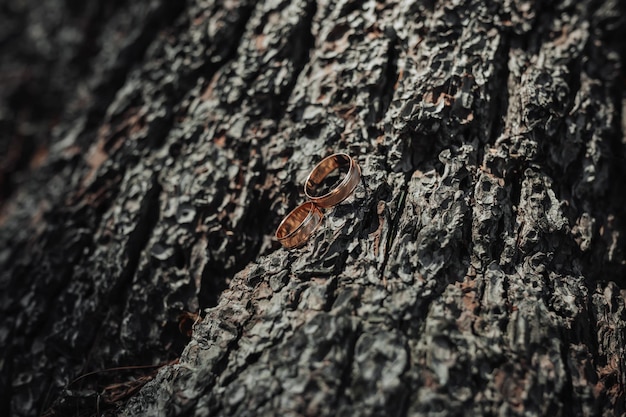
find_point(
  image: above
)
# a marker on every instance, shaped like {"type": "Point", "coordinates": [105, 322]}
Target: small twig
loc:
{"type": "Point", "coordinates": [122, 368]}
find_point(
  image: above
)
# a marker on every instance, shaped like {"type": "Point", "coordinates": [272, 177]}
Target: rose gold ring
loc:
{"type": "Point", "coordinates": [321, 177]}
{"type": "Point", "coordinates": [298, 226]}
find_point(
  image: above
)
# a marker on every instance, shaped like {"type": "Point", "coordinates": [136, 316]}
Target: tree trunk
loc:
{"type": "Point", "coordinates": [150, 149]}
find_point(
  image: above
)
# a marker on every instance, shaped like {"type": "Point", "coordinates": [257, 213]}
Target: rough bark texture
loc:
{"type": "Point", "coordinates": [150, 148]}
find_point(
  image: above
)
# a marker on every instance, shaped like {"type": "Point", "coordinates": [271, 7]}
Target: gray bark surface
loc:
{"type": "Point", "coordinates": [478, 269]}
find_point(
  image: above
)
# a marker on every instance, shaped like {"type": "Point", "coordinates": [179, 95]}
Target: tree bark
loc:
{"type": "Point", "coordinates": [151, 148]}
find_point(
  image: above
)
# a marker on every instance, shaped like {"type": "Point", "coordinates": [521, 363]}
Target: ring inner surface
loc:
{"type": "Point", "coordinates": [328, 175]}
{"type": "Point", "coordinates": [293, 221]}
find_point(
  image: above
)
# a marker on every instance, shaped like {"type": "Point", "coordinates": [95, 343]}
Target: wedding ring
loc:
{"type": "Point", "coordinates": [298, 226]}
{"type": "Point", "coordinates": [315, 182]}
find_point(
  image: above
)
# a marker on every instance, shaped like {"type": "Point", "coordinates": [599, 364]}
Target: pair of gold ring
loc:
{"type": "Point", "coordinates": [298, 226]}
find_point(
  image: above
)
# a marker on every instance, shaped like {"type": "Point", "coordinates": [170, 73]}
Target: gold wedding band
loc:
{"type": "Point", "coordinates": [298, 226]}
{"type": "Point", "coordinates": [339, 192]}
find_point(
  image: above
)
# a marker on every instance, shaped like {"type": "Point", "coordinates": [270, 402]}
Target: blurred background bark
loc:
{"type": "Point", "coordinates": [149, 149]}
